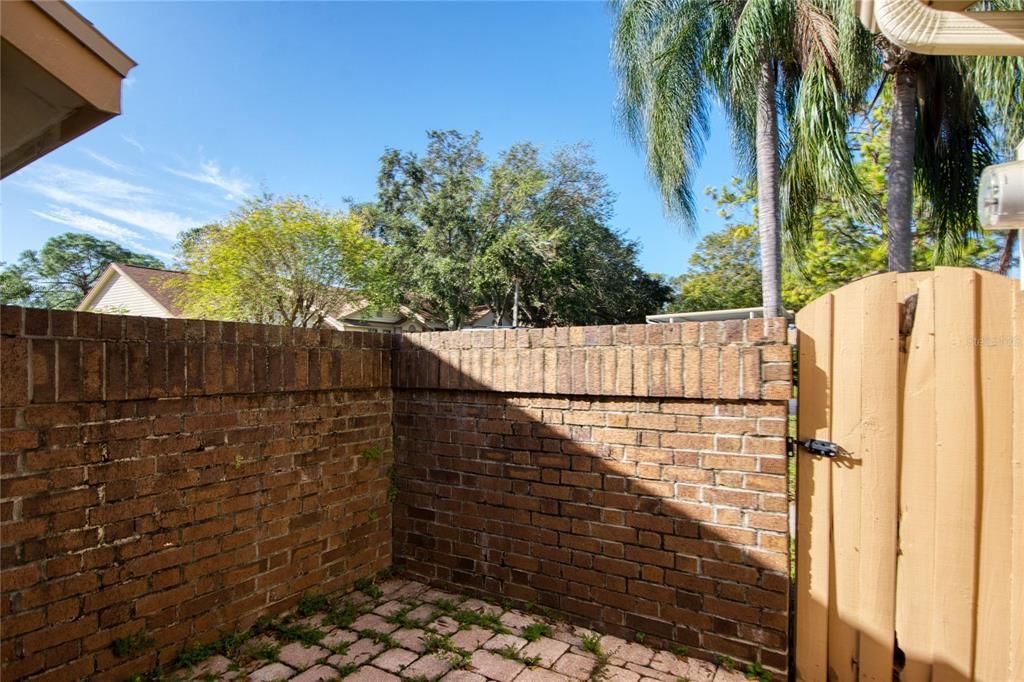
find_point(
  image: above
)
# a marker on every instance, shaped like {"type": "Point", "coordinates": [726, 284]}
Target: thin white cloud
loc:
{"type": "Point", "coordinates": [110, 198]}
{"type": "Point", "coordinates": [88, 223]}
{"type": "Point", "coordinates": [133, 142]}
{"type": "Point", "coordinates": [211, 174]}
{"type": "Point", "coordinates": [100, 228]}
{"type": "Point", "coordinates": [108, 162]}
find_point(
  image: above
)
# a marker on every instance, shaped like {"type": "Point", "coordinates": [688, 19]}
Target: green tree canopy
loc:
{"type": "Point", "coordinates": [460, 232]}
{"type": "Point", "coordinates": [724, 273]}
{"type": "Point", "coordinates": [61, 273]}
{"type": "Point", "coordinates": [276, 260]}
{"type": "Point", "coordinates": [724, 269]}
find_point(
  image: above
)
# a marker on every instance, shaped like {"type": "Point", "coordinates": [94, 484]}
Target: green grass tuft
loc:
{"type": "Point", "coordinates": [592, 643]}
{"type": "Point", "coordinates": [369, 588]}
{"type": "Point", "coordinates": [379, 638]}
{"type": "Point", "coordinates": [756, 671]}
{"type": "Point", "coordinates": [296, 632]}
{"type": "Point", "coordinates": [466, 618]}
{"type": "Point", "coordinates": [534, 632]}
{"type": "Point", "coordinates": [511, 653]}
{"type": "Point", "coordinates": [261, 651]}
{"type": "Point", "coordinates": [132, 644]}
{"type": "Point", "coordinates": [342, 615]}
{"type": "Point", "coordinates": [311, 603]}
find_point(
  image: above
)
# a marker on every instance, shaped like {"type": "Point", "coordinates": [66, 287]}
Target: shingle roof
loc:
{"type": "Point", "coordinates": [157, 283]}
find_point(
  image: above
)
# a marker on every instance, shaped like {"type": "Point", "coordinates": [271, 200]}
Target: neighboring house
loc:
{"type": "Point", "coordinates": [149, 292]}
{"type": "Point", "coordinates": [134, 290]}
{"type": "Point", "coordinates": [363, 316]}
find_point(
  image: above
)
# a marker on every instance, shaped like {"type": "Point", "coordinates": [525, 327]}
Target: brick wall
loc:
{"type": "Point", "coordinates": [632, 478]}
{"type": "Point", "coordinates": [179, 478]}
{"type": "Point", "coordinates": [182, 478]}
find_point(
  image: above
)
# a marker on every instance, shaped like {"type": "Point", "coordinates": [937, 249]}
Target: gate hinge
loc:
{"type": "Point", "coordinates": [825, 448]}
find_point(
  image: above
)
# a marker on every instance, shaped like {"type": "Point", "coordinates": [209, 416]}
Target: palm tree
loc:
{"type": "Point", "coordinates": [674, 57]}
{"type": "Point", "coordinates": [951, 117]}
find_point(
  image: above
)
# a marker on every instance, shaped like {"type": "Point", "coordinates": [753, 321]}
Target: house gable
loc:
{"type": "Point", "coordinates": [117, 293]}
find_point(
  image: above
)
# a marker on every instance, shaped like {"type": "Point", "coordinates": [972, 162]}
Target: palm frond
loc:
{"type": "Point", "coordinates": [952, 148]}
{"type": "Point", "coordinates": [664, 97]}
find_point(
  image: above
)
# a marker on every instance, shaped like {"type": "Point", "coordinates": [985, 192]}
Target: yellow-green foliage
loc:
{"type": "Point", "coordinates": [276, 260]}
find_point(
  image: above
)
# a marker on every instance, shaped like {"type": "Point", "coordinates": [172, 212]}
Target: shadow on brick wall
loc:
{"type": "Point", "coordinates": [653, 515]}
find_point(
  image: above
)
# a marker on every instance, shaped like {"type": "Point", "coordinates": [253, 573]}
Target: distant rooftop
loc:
{"type": "Point", "coordinates": [711, 315]}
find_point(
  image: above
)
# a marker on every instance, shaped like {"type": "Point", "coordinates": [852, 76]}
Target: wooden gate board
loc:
{"type": "Point", "coordinates": [915, 534]}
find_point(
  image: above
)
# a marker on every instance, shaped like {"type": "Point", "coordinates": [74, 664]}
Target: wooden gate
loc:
{"type": "Point", "coordinates": [910, 544]}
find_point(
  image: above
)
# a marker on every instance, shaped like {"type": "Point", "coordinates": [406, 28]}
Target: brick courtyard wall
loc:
{"type": "Point", "coordinates": [179, 478]}
{"type": "Point", "coordinates": [632, 478]}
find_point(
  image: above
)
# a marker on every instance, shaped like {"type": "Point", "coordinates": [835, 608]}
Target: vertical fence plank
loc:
{"type": "Point", "coordinates": [1016, 644]}
{"type": "Point", "coordinates": [878, 460]}
{"type": "Point", "coordinates": [814, 491]}
{"type": "Point", "coordinates": [915, 589]}
{"type": "Point", "coordinates": [844, 593]}
{"type": "Point", "coordinates": [956, 419]}
{"type": "Point", "coordinates": [995, 366]}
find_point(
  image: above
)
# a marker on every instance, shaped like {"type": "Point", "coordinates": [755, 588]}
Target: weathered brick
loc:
{"type": "Point", "coordinates": [598, 506]}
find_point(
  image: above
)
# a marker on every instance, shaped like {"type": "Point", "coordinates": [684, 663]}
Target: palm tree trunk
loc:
{"type": "Point", "coordinates": [1006, 257]}
{"type": "Point", "coordinates": [767, 148]}
{"type": "Point", "coordinates": [901, 168]}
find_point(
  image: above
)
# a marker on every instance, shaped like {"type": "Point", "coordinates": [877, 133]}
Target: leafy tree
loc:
{"type": "Point", "coordinates": [282, 261]}
{"type": "Point", "coordinates": [673, 58]}
{"type": "Point", "coordinates": [461, 232]}
{"type": "Point", "coordinates": [724, 273]}
{"type": "Point", "coordinates": [61, 273]}
{"type": "Point", "coordinates": [724, 268]}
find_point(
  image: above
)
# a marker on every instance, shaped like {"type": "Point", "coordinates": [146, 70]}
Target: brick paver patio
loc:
{"type": "Point", "coordinates": [405, 631]}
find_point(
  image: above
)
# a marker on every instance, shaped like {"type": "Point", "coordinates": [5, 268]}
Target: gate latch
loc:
{"type": "Point", "coordinates": [825, 448]}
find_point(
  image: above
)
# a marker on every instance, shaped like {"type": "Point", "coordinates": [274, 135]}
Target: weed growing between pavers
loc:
{"type": "Point", "coordinates": [316, 615]}
{"type": "Point", "coordinates": [592, 644]}
{"type": "Point", "coordinates": [296, 632]}
{"type": "Point", "coordinates": [511, 653]}
{"type": "Point", "coordinates": [193, 653]}
{"type": "Point", "coordinates": [492, 622]}
{"type": "Point", "coordinates": [347, 669]}
{"type": "Point", "coordinates": [261, 651]}
{"type": "Point", "coordinates": [444, 607]}
{"type": "Point", "coordinates": [311, 603]}
{"type": "Point", "coordinates": [342, 615]}
{"type": "Point", "coordinates": [443, 647]}
{"type": "Point", "coordinates": [401, 618]}
{"type": "Point", "coordinates": [379, 638]}
{"type": "Point", "coordinates": [341, 648]}
{"type": "Point", "coordinates": [369, 588]}
{"type": "Point", "coordinates": [534, 632]}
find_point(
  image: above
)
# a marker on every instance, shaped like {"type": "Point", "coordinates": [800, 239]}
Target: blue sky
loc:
{"type": "Point", "coordinates": [234, 98]}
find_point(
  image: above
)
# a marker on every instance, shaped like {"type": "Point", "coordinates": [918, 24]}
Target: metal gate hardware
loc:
{"type": "Point", "coordinates": [824, 448]}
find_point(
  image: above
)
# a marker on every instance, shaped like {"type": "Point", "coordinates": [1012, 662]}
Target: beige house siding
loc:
{"type": "Point", "coordinates": [121, 295]}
